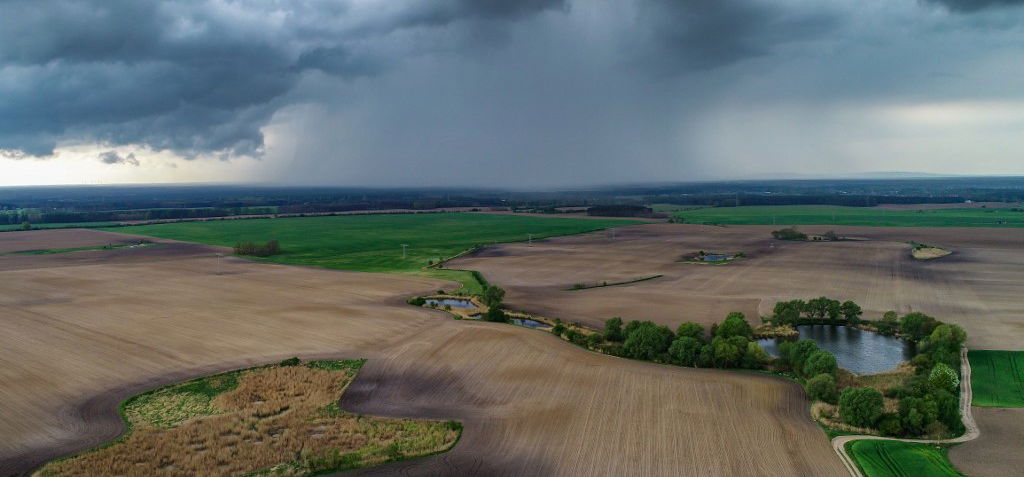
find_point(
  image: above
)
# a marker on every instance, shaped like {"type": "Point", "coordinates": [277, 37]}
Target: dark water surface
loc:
{"type": "Point", "coordinates": [452, 302]}
{"type": "Point", "coordinates": [528, 323]}
{"type": "Point", "coordinates": [859, 351]}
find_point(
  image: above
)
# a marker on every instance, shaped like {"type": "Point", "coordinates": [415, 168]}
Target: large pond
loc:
{"type": "Point", "coordinates": [858, 351]}
{"type": "Point", "coordinates": [452, 302]}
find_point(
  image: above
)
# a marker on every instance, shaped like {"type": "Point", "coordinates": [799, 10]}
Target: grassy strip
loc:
{"type": "Point", "coordinates": [997, 378]}
{"type": "Point", "coordinates": [373, 243]}
{"type": "Point", "coordinates": [787, 215]}
{"type": "Point", "coordinates": [581, 286]}
{"type": "Point", "coordinates": [884, 458]}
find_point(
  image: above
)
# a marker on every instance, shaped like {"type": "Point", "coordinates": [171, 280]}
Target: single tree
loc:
{"type": "Point", "coordinates": [851, 311]}
{"type": "Point", "coordinates": [943, 378]}
{"type": "Point", "coordinates": [860, 407]}
{"type": "Point", "coordinates": [734, 325]}
{"type": "Point", "coordinates": [917, 325]}
{"type": "Point", "coordinates": [493, 296]}
{"type": "Point", "coordinates": [820, 362]}
{"type": "Point", "coordinates": [691, 329]}
{"type": "Point", "coordinates": [685, 351]}
{"type": "Point", "coordinates": [648, 341]}
{"type": "Point", "coordinates": [823, 388]}
{"type": "Point", "coordinates": [613, 330]}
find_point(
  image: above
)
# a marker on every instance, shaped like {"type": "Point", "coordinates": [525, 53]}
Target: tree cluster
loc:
{"type": "Point", "coordinates": [729, 345]}
{"type": "Point", "coordinates": [792, 312]}
{"type": "Point", "coordinates": [789, 233]}
{"type": "Point", "coordinates": [258, 250]}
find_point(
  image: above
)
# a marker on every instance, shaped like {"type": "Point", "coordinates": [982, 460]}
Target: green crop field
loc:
{"type": "Point", "coordinates": [997, 378]}
{"type": "Point", "coordinates": [786, 215]}
{"type": "Point", "coordinates": [373, 243]}
{"type": "Point", "coordinates": [880, 458]}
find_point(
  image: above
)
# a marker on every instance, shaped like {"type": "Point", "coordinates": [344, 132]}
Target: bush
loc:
{"type": "Point", "coordinates": [726, 353]}
{"type": "Point", "coordinates": [558, 329]}
{"type": "Point", "coordinates": [594, 340]}
{"type": "Point", "coordinates": [860, 407]}
{"type": "Point", "coordinates": [789, 233]}
{"type": "Point", "coordinates": [915, 326]}
{"type": "Point", "coordinates": [294, 361]}
{"type": "Point", "coordinates": [417, 301]}
{"type": "Point", "coordinates": [734, 325]}
{"type": "Point", "coordinates": [889, 424]}
{"type": "Point", "coordinates": [693, 330]}
{"type": "Point", "coordinates": [685, 351]}
{"type": "Point", "coordinates": [943, 378]}
{"type": "Point", "coordinates": [496, 315]}
{"type": "Point", "coordinates": [822, 388]}
{"type": "Point", "coordinates": [647, 340]}
{"type": "Point", "coordinates": [755, 356]}
{"type": "Point", "coordinates": [613, 330]}
{"type": "Point", "coordinates": [492, 296]}
{"type": "Point", "coordinates": [820, 362]}
{"type": "Point", "coordinates": [253, 249]}
{"type": "Point", "coordinates": [799, 352]}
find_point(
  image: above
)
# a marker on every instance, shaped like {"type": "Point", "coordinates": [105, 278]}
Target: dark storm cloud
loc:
{"type": "Point", "coordinates": [976, 5]}
{"type": "Point", "coordinates": [112, 157]}
{"type": "Point", "coordinates": [704, 34]}
{"type": "Point", "coordinates": [190, 76]}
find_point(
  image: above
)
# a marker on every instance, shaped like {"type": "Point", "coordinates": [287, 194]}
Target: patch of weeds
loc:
{"type": "Point", "coordinates": [337, 365]}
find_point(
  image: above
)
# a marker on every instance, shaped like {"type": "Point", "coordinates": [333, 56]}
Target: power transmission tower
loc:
{"type": "Point", "coordinates": [529, 240]}
{"type": "Point", "coordinates": [403, 250]}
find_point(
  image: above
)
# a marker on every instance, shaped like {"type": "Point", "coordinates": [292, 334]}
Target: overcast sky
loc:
{"type": "Point", "coordinates": [521, 93]}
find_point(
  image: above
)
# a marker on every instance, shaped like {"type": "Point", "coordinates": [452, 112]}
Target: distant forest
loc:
{"type": "Point", "coordinates": [58, 204]}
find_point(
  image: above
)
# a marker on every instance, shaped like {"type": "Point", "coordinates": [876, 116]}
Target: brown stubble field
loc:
{"type": "Point", "coordinates": [979, 287]}
{"type": "Point", "coordinates": [997, 451]}
{"type": "Point", "coordinates": [87, 329]}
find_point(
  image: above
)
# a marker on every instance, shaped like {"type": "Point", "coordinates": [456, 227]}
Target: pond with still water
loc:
{"type": "Point", "coordinates": [452, 302]}
{"type": "Point", "coordinates": [858, 351]}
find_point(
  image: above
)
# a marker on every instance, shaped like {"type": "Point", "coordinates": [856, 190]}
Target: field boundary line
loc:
{"type": "Point", "coordinates": [971, 431]}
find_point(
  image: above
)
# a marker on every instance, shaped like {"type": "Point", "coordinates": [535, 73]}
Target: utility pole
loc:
{"type": "Point", "coordinates": [529, 240]}
{"type": "Point", "coordinates": [220, 263]}
{"type": "Point", "coordinates": [403, 250]}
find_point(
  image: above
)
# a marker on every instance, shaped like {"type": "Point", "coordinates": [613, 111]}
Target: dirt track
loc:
{"type": "Point", "coordinates": [84, 331]}
{"type": "Point", "coordinates": [978, 287]}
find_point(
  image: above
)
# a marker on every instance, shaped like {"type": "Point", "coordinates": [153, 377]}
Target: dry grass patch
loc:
{"type": "Point", "coordinates": [274, 420]}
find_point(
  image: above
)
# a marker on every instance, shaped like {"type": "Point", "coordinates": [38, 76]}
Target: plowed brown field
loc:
{"type": "Point", "coordinates": [86, 329]}
{"type": "Point", "coordinates": [979, 286]}
{"type": "Point", "coordinates": [997, 451]}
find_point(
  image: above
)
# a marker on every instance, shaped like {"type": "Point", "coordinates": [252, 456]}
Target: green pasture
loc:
{"type": "Point", "coordinates": [373, 243]}
{"type": "Point", "coordinates": [997, 378]}
{"type": "Point", "coordinates": [881, 458]}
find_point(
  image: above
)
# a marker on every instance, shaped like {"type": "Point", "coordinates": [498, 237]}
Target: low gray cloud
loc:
{"type": "Point", "coordinates": [976, 5]}
{"type": "Point", "coordinates": [703, 34]}
{"type": "Point", "coordinates": [112, 157]}
{"type": "Point", "coordinates": [189, 76]}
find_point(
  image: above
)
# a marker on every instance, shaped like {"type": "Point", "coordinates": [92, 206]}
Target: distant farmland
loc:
{"type": "Point", "coordinates": [373, 243]}
{"type": "Point", "coordinates": [786, 215]}
{"type": "Point", "coordinates": [997, 378]}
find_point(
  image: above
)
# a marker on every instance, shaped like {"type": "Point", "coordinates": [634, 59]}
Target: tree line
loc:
{"type": "Point", "coordinates": [254, 249]}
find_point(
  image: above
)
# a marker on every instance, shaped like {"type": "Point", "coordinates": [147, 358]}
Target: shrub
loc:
{"type": "Point", "coordinates": [492, 296]}
{"type": "Point", "coordinates": [256, 250]}
{"type": "Point", "coordinates": [685, 351]}
{"type": "Point", "coordinates": [789, 233]}
{"type": "Point", "coordinates": [823, 388]}
{"type": "Point", "coordinates": [755, 356]}
{"type": "Point", "coordinates": [417, 301]}
{"type": "Point", "coordinates": [851, 311]}
{"type": "Point", "coordinates": [915, 326]}
{"type": "Point", "coordinates": [734, 325]}
{"type": "Point", "coordinates": [799, 352]}
{"type": "Point", "coordinates": [647, 340]}
{"type": "Point", "coordinates": [725, 353]}
{"type": "Point", "coordinates": [496, 314]}
{"type": "Point", "coordinates": [820, 362]}
{"type": "Point", "coordinates": [558, 329]}
{"type": "Point", "coordinates": [613, 330]}
{"type": "Point", "coordinates": [693, 330]}
{"type": "Point", "coordinates": [860, 407]}
{"type": "Point", "coordinates": [943, 378]}
{"type": "Point", "coordinates": [294, 361]}
{"type": "Point", "coordinates": [889, 424]}
{"type": "Point", "coordinates": [594, 340]}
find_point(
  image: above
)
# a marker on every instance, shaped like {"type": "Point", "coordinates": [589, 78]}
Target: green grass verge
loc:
{"type": "Point", "coordinates": [878, 458]}
{"type": "Point", "coordinates": [997, 378]}
{"type": "Point", "coordinates": [787, 215]}
{"type": "Point", "coordinates": [373, 243]}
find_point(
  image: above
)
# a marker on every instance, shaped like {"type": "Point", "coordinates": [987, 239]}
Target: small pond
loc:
{"type": "Point", "coordinates": [528, 323]}
{"type": "Point", "coordinates": [452, 302]}
{"type": "Point", "coordinates": [859, 351]}
{"type": "Point", "coordinates": [716, 257]}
